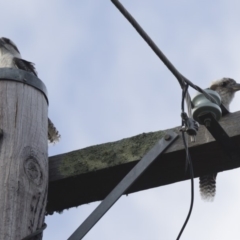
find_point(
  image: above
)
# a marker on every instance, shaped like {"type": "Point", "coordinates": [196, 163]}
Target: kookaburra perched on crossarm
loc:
{"type": "Point", "coordinates": [226, 88]}
{"type": "Point", "coordinates": [10, 57]}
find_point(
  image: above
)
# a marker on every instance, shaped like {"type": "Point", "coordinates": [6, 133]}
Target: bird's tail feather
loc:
{"type": "Point", "coordinates": [53, 134]}
{"type": "Point", "coordinates": [207, 186]}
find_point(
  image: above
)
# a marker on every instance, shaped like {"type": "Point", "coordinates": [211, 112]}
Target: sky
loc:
{"type": "Point", "coordinates": [105, 84]}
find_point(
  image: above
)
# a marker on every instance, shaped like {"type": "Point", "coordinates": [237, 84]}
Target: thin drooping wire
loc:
{"type": "Point", "coordinates": [184, 92]}
{"type": "Point", "coordinates": [189, 162]}
{"type": "Point", "coordinates": [192, 185]}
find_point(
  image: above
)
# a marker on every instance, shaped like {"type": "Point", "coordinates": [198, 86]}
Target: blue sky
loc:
{"type": "Point", "coordinates": [105, 84]}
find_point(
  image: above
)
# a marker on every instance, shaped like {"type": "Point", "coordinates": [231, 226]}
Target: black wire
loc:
{"type": "Point", "coordinates": [185, 88]}
{"type": "Point", "coordinates": [209, 97]}
{"type": "Point", "coordinates": [184, 91]}
{"type": "Point", "coordinates": [192, 185]}
{"type": "Point", "coordinates": [181, 79]}
{"type": "Point", "coordinates": [189, 161]}
{"type": "Point", "coordinates": [149, 41]}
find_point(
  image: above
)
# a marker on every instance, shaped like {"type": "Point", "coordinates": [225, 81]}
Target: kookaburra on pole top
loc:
{"type": "Point", "coordinates": [226, 88]}
{"type": "Point", "coordinates": [10, 57]}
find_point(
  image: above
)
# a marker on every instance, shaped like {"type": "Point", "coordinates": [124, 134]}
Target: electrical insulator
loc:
{"type": "Point", "coordinates": [202, 105]}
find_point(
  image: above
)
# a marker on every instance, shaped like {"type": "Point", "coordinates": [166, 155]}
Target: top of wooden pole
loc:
{"type": "Point", "coordinates": [18, 75]}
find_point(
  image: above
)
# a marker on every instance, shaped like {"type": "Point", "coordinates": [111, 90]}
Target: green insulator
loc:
{"type": "Point", "coordinates": [202, 105]}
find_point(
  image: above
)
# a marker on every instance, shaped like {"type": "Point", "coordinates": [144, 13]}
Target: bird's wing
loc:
{"type": "Point", "coordinates": [24, 65]}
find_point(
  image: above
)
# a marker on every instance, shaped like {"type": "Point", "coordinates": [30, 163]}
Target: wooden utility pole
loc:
{"type": "Point", "coordinates": [23, 155]}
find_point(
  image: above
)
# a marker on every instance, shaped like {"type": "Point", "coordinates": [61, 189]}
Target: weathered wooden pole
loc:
{"type": "Point", "coordinates": [23, 154]}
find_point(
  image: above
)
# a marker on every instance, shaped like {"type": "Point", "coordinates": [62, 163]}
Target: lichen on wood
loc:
{"type": "Point", "coordinates": [109, 154]}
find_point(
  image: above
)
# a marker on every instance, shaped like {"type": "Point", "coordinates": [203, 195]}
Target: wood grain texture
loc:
{"type": "Point", "coordinates": [89, 174]}
{"type": "Point", "coordinates": [23, 160]}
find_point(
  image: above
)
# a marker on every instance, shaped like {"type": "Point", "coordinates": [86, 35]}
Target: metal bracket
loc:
{"type": "Point", "coordinates": [18, 75]}
{"type": "Point", "coordinates": [36, 233]}
{"type": "Point", "coordinates": [122, 187]}
{"type": "Point", "coordinates": [224, 110]}
{"type": "Point", "coordinates": [220, 135]}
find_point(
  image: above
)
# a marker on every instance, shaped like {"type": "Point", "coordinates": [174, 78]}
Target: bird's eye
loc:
{"type": "Point", "coordinates": [224, 84]}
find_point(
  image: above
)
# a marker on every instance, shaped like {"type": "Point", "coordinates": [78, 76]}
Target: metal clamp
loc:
{"type": "Point", "coordinates": [18, 75]}
{"type": "Point", "coordinates": [37, 232]}
{"type": "Point", "coordinates": [190, 125]}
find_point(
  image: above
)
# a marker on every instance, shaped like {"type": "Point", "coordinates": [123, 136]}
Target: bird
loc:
{"type": "Point", "coordinates": [10, 57]}
{"type": "Point", "coordinates": [226, 88]}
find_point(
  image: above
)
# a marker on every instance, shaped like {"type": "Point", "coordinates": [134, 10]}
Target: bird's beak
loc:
{"type": "Point", "coordinates": [236, 87]}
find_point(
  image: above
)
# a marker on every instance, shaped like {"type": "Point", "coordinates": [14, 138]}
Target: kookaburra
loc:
{"type": "Point", "coordinates": [10, 57]}
{"type": "Point", "coordinates": [226, 88]}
